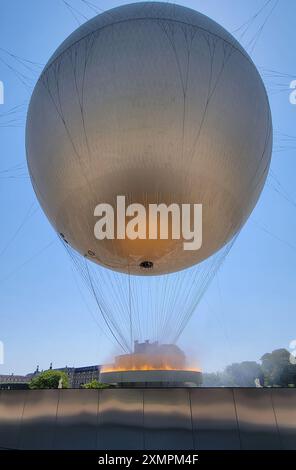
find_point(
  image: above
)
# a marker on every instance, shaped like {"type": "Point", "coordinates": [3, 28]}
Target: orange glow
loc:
{"type": "Point", "coordinates": [151, 356]}
{"type": "Point", "coordinates": [114, 368]}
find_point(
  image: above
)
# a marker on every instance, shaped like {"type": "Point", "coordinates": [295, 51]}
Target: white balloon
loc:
{"type": "Point", "coordinates": [157, 103]}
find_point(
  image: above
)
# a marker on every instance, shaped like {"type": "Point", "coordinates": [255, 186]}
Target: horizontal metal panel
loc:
{"type": "Point", "coordinates": [76, 426]}
{"type": "Point", "coordinates": [284, 402]}
{"type": "Point", "coordinates": [167, 419]}
{"type": "Point", "coordinates": [39, 419]}
{"type": "Point", "coordinates": [120, 419]}
{"type": "Point", "coordinates": [214, 419]}
{"type": "Point", "coordinates": [11, 411]}
{"type": "Point", "coordinates": [256, 419]}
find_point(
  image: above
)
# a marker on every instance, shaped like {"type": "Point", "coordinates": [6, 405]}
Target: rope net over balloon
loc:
{"type": "Point", "coordinates": [157, 308]}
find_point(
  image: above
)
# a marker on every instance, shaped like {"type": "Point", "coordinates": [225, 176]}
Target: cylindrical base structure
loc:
{"type": "Point", "coordinates": [152, 378]}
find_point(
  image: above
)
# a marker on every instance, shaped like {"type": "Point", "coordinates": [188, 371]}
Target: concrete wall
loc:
{"type": "Point", "coordinates": [201, 418]}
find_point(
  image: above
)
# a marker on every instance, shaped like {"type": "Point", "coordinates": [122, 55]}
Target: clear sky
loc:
{"type": "Point", "coordinates": [249, 309]}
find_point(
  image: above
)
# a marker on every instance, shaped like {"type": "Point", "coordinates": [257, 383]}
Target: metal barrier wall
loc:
{"type": "Point", "coordinates": [167, 419]}
{"type": "Point", "coordinates": [200, 418]}
{"type": "Point", "coordinates": [214, 419]}
{"type": "Point", "coordinates": [120, 419]}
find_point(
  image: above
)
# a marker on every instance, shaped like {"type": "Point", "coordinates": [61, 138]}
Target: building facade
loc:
{"type": "Point", "coordinates": [77, 376]}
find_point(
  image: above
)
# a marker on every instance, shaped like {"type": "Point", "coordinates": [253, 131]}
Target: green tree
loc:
{"type": "Point", "coordinates": [212, 379]}
{"type": "Point", "coordinates": [49, 379]}
{"type": "Point", "coordinates": [277, 368]}
{"type": "Point", "coordinates": [95, 385]}
{"type": "Point", "coordinates": [243, 374]}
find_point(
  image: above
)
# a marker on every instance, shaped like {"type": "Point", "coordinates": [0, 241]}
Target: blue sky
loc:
{"type": "Point", "coordinates": [250, 307]}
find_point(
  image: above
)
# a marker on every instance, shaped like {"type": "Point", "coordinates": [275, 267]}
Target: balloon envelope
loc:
{"type": "Point", "coordinates": [160, 104]}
